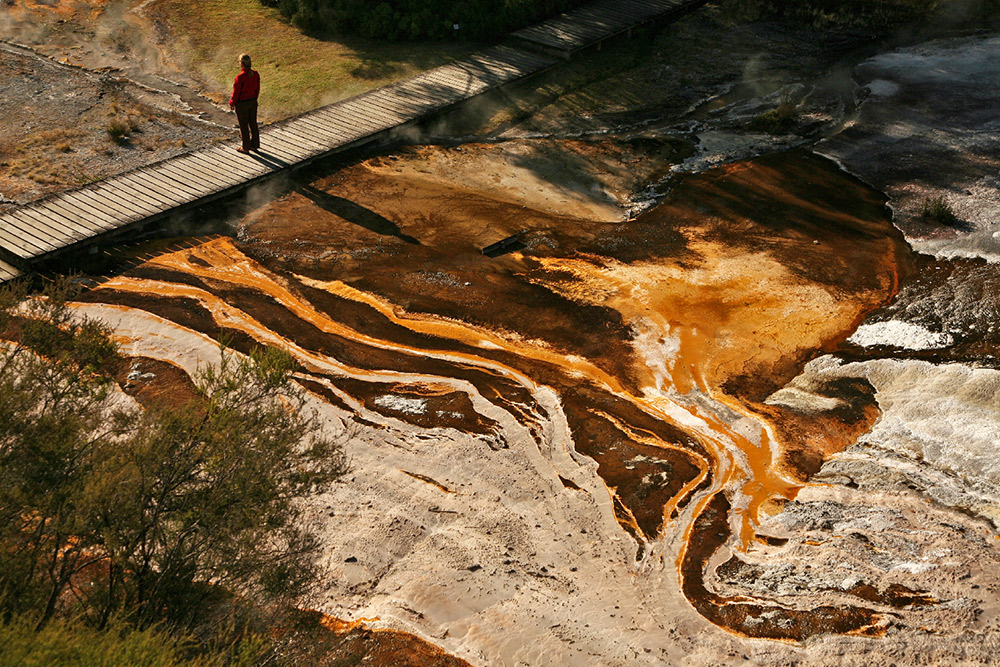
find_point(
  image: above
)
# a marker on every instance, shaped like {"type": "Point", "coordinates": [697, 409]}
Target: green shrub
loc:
{"type": "Point", "coordinates": [111, 511]}
{"type": "Point", "coordinates": [74, 644]}
{"type": "Point", "coordinates": [776, 121]}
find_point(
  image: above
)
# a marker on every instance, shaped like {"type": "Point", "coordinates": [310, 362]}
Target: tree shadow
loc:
{"type": "Point", "coordinates": [354, 213]}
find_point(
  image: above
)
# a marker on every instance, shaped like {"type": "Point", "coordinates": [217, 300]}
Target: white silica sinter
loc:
{"type": "Point", "coordinates": [899, 334]}
{"type": "Point", "coordinates": [882, 88]}
{"type": "Point", "coordinates": [940, 423]}
{"type": "Point", "coordinates": [408, 406]}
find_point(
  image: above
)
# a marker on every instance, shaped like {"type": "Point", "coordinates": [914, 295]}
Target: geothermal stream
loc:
{"type": "Point", "coordinates": [611, 411]}
{"type": "Point", "coordinates": [743, 461]}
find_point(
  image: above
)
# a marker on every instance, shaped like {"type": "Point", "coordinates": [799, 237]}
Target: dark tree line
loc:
{"type": "Point", "coordinates": [875, 16]}
{"type": "Point", "coordinates": [409, 20]}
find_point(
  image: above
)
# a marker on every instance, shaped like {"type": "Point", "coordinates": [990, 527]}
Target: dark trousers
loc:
{"type": "Point", "coordinates": [246, 116]}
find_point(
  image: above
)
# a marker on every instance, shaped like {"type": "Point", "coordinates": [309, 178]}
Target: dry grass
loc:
{"type": "Point", "coordinates": [118, 130]}
{"type": "Point", "coordinates": [43, 172]}
{"type": "Point", "coordinates": [49, 138]}
{"type": "Point", "coordinates": [298, 72]}
{"type": "Point", "coordinates": [39, 156]}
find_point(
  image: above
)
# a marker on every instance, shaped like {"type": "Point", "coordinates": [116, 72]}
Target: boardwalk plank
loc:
{"type": "Point", "coordinates": [294, 142]}
{"type": "Point", "coordinates": [49, 220]}
{"type": "Point", "coordinates": [312, 150]}
{"type": "Point", "coordinates": [423, 102]}
{"type": "Point", "coordinates": [322, 127]}
{"type": "Point", "coordinates": [335, 118]}
{"type": "Point", "coordinates": [385, 106]}
{"type": "Point", "coordinates": [18, 243]}
{"type": "Point", "coordinates": [222, 178]}
{"type": "Point", "coordinates": [282, 153]}
{"type": "Point", "coordinates": [99, 214]}
{"type": "Point", "coordinates": [38, 230]}
{"type": "Point", "coordinates": [368, 117]}
{"type": "Point", "coordinates": [69, 213]}
{"type": "Point", "coordinates": [165, 177]}
{"type": "Point", "coordinates": [55, 211]}
{"type": "Point", "coordinates": [103, 202]}
{"type": "Point", "coordinates": [8, 272]}
{"type": "Point", "coordinates": [168, 195]}
{"type": "Point", "coordinates": [220, 162]}
{"type": "Point", "coordinates": [201, 184]}
{"type": "Point", "coordinates": [391, 107]}
{"type": "Point", "coordinates": [161, 181]}
{"type": "Point", "coordinates": [36, 235]}
{"type": "Point", "coordinates": [309, 135]}
{"type": "Point", "coordinates": [130, 187]}
{"type": "Point", "coordinates": [141, 205]}
{"type": "Point", "coordinates": [214, 174]}
{"type": "Point", "coordinates": [226, 157]}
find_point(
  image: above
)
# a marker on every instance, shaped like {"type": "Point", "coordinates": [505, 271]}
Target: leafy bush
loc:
{"type": "Point", "coordinates": [402, 20]}
{"type": "Point", "coordinates": [111, 511]}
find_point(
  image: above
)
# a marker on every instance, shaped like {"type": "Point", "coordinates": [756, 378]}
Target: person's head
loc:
{"type": "Point", "coordinates": [245, 61]}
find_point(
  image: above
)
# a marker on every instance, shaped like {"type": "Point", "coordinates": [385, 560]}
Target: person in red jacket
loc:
{"type": "Point", "coordinates": [246, 88]}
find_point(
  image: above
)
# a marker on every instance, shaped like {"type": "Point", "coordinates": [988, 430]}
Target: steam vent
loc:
{"type": "Point", "coordinates": [654, 332]}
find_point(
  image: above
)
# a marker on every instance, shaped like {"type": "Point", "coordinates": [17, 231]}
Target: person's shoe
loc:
{"type": "Point", "coordinates": [242, 150]}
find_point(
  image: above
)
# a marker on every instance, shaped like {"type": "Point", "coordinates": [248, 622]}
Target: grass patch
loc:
{"type": "Point", "coordinates": [298, 72]}
{"type": "Point", "coordinates": [936, 209]}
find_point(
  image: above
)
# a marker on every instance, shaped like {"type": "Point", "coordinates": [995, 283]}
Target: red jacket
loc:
{"type": "Point", "coordinates": [246, 86]}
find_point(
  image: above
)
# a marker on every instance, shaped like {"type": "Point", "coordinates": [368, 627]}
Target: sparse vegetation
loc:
{"type": "Point", "coordinates": [124, 518]}
{"type": "Point", "coordinates": [936, 209]}
{"type": "Point", "coordinates": [779, 120]}
{"type": "Point", "coordinates": [72, 644]}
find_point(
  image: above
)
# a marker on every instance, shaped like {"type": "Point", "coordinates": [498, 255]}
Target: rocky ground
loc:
{"type": "Point", "coordinates": [67, 126]}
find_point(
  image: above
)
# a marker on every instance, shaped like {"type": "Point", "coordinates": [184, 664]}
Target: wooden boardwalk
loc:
{"type": "Point", "coordinates": [69, 220]}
